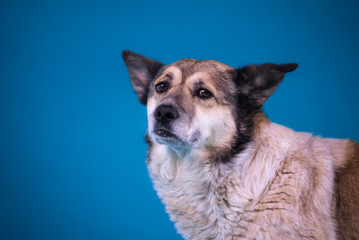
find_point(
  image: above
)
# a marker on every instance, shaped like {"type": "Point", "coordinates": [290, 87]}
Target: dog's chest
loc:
{"type": "Point", "coordinates": [211, 203]}
{"type": "Point", "coordinates": [193, 199]}
{"type": "Point", "coordinates": [207, 204]}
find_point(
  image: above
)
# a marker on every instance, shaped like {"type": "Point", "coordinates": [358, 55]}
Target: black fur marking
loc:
{"type": "Point", "coordinates": [244, 119]}
{"type": "Point", "coordinates": [254, 85]}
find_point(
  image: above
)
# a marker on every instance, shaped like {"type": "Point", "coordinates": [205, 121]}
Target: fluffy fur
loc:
{"type": "Point", "coordinates": [224, 171]}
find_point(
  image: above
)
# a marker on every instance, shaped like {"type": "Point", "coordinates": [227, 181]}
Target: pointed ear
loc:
{"type": "Point", "coordinates": [142, 71]}
{"type": "Point", "coordinates": [258, 82]}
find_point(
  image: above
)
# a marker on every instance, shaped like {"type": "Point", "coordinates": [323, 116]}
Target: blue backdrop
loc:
{"type": "Point", "coordinates": [72, 149]}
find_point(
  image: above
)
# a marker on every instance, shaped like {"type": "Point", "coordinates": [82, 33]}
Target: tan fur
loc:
{"type": "Point", "coordinates": [224, 171]}
{"type": "Point", "coordinates": [281, 187]}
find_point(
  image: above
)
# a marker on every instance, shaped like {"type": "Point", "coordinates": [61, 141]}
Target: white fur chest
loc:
{"type": "Point", "coordinates": [212, 202]}
{"type": "Point", "coordinates": [190, 191]}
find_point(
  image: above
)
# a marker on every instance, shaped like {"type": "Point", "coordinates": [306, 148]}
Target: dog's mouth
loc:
{"type": "Point", "coordinates": [166, 137]}
{"type": "Point", "coordinates": [164, 133]}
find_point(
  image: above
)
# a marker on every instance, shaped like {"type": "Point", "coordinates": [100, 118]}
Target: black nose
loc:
{"type": "Point", "coordinates": [165, 113]}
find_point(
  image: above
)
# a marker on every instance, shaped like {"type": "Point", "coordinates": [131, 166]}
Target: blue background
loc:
{"type": "Point", "coordinates": [72, 149]}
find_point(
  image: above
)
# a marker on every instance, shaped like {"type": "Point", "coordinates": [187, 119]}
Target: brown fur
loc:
{"type": "Point", "coordinates": [347, 193]}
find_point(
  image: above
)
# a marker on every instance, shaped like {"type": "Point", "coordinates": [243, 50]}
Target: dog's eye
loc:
{"type": "Point", "coordinates": [204, 94]}
{"type": "Point", "coordinates": [161, 87]}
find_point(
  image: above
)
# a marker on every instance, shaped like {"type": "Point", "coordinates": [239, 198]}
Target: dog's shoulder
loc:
{"type": "Point", "coordinates": [332, 168]}
{"type": "Point", "coordinates": [325, 172]}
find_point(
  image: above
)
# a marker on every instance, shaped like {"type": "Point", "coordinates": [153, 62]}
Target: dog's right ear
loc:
{"type": "Point", "coordinates": [142, 71]}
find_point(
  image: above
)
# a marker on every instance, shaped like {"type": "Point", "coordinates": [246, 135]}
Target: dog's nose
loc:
{"type": "Point", "coordinates": [165, 113]}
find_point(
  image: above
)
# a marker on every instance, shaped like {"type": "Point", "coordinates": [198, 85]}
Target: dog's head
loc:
{"type": "Point", "coordinates": [194, 104]}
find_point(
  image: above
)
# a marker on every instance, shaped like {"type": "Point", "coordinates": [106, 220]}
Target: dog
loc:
{"type": "Point", "coordinates": [224, 171]}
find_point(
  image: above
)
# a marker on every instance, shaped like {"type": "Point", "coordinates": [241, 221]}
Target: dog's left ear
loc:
{"type": "Point", "coordinates": [258, 82]}
{"type": "Point", "coordinates": [142, 71]}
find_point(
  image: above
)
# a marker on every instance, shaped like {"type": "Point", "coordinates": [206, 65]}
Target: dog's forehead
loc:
{"type": "Point", "coordinates": [189, 67]}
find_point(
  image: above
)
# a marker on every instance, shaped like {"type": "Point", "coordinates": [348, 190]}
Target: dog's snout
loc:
{"type": "Point", "coordinates": [165, 113]}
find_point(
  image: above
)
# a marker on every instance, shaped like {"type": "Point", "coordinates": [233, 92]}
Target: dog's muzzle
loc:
{"type": "Point", "coordinates": [168, 127]}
